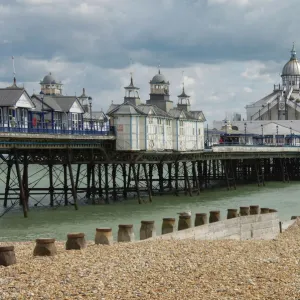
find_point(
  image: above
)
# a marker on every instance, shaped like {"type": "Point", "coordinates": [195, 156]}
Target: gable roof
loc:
{"type": "Point", "coordinates": [126, 108]}
{"type": "Point", "coordinates": [112, 107]}
{"type": "Point", "coordinates": [38, 103]}
{"type": "Point", "coordinates": [146, 108]}
{"type": "Point", "coordinates": [198, 114]}
{"type": "Point", "coordinates": [56, 103]}
{"type": "Point", "coordinates": [181, 113]}
{"type": "Point", "coordinates": [66, 102]}
{"type": "Point", "coordinates": [10, 96]}
{"type": "Point", "coordinates": [96, 116]}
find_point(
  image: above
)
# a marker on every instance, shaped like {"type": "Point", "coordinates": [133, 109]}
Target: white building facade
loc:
{"type": "Point", "coordinates": [157, 125]}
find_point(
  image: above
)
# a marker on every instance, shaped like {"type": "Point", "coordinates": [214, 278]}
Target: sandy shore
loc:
{"type": "Point", "coordinates": [160, 270]}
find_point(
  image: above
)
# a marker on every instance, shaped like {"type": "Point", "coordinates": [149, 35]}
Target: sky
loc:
{"type": "Point", "coordinates": [228, 53]}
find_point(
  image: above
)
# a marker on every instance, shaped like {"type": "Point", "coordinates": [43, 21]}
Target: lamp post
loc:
{"type": "Point", "coordinates": [262, 134]}
{"type": "Point", "coordinates": [42, 98]}
{"type": "Point", "coordinates": [91, 118]}
{"type": "Point", "coordinates": [291, 130]}
{"type": "Point", "coordinates": [276, 134]}
{"type": "Point", "coordinates": [245, 124]}
{"type": "Point", "coordinates": [225, 138]}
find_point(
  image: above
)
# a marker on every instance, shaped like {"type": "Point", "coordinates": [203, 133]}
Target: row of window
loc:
{"type": "Point", "coordinates": [159, 121]}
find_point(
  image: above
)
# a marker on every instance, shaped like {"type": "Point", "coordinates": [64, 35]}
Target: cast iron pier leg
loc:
{"type": "Point", "coordinates": [22, 193]}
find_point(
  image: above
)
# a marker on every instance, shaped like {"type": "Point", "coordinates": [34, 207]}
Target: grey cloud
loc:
{"type": "Point", "coordinates": [89, 44]}
{"type": "Point", "coordinates": [108, 33]}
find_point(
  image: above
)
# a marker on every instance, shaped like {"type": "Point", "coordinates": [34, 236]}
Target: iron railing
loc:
{"type": "Point", "coordinates": [67, 131]}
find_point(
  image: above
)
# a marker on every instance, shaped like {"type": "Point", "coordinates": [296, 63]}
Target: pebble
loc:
{"type": "Point", "coordinates": [186, 269]}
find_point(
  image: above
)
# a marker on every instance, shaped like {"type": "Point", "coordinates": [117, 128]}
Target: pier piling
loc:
{"type": "Point", "coordinates": [168, 225]}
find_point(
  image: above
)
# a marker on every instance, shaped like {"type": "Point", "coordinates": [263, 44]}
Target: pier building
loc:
{"type": "Point", "coordinates": [157, 125]}
{"type": "Point", "coordinates": [276, 116]}
{"type": "Point", "coordinates": [49, 111]}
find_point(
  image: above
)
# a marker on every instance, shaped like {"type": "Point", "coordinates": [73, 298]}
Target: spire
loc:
{"type": "Point", "coordinates": [83, 94]}
{"type": "Point", "coordinates": [131, 85]}
{"type": "Point", "coordinates": [183, 94]}
{"type": "Point", "coordinates": [293, 52]}
{"type": "Point", "coordinates": [131, 80]}
{"type": "Point", "coordinates": [14, 85]}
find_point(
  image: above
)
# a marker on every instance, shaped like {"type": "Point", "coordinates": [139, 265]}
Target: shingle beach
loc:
{"type": "Point", "coordinates": [159, 269]}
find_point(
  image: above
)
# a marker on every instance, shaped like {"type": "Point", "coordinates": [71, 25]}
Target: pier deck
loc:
{"type": "Point", "coordinates": [61, 170]}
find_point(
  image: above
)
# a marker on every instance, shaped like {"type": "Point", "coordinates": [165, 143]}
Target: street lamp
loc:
{"type": "Point", "coordinates": [276, 134]}
{"type": "Point", "coordinates": [291, 130]}
{"type": "Point", "coordinates": [90, 104]}
{"type": "Point", "coordinates": [245, 124]}
{"type": "Point", "coordinates": [42, 98]}
{"type": "Point", "coordinates": [262, 134]}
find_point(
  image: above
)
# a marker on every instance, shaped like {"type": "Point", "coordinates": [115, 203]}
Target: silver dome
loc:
{"type": "Point", "coordinates": [292, 67]}
{"type": "Point", "coordinates": [159, 78]}
{"type": "Point", "coordinates": [49, 79]}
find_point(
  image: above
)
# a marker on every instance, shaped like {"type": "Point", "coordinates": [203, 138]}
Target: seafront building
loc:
{"type": "Point", "coordinates": [157, 125]}
{"type": "Point", "coordinates": [49, 111]}
{"type": "Point", "coordinates": [153, 125]}
{"type": "Point", "coordinates": [275, 117]}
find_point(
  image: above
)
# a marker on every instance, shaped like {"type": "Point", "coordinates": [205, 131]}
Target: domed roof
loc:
{"type": "Point", "coordinates": [49, 79]}
{"type": "Point", "coordinates": [159, 78]}
{"type": "Point", "coordinates": [292, 67]}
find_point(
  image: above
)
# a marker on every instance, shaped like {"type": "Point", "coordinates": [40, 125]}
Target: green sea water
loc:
{"type": "Point", "coordinates": [57, 222]}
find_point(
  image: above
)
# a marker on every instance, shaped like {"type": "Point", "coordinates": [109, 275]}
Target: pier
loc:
{"type": "Point", "coordinates": [62, 169]}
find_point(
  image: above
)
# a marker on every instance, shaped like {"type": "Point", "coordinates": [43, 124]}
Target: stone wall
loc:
{"type": "Point", "coordinates": [262, 226]}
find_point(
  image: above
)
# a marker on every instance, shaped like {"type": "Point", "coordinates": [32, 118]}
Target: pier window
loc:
{"type": "Point", "coordinates": [10, 113]}
{"type": "Point", "coordinates": [75, 120]}
{"type": "Point", "coordinates": [168, 122]}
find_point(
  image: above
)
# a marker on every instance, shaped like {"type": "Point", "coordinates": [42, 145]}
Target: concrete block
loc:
{"type": "Point", "coordinates": [233, 231]}
{"type": "Point", "coordinates": [266, 217]}
{"type": "Point", "coordinates": [103, 236]}
{"type": "Point", "coordinates": [76, 241]}
{"type": "Point", "coordinates": [246, 227]}
{"type": "Point", "coordinates": [246, 235]}
{"type": "Point", "coordinates": [168, 225]}
{"type": "Point", "coordinates": [233, 237]}
{"type": "Point", "coordinates": [248, 219]}
{"type": "Point", "coordinates": [45, 247]}
{"type": "Point", "coordinates": [233, 221]}
{"type": "Point", "coordinates": [261, 225]}
{"type": "Point", "coordinates": [220, 234]}
{"type": "Point", "coordinates": [147, 230]}
{"type": "Point", "coordinates": [263, 233]}
{"type": "Point", "coordinates": [217, 226]}
{"type": "Point", "coordinates": [125, 233]}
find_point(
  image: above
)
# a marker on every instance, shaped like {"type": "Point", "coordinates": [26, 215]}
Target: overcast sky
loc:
{"type": "Point", "coordinates": [231, 51]}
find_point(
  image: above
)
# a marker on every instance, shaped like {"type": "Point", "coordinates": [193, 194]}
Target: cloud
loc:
{"type": "Point", "coordinates": [225, 47]}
